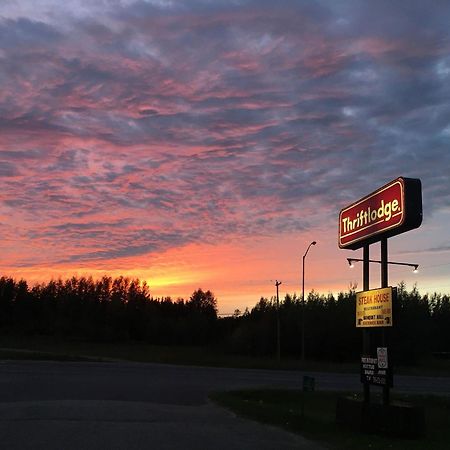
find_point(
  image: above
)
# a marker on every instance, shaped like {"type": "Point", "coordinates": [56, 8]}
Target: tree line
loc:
{"type": "Point", "coordinates": [421, 327]}
{"type": "Point", "coordinates": [105, 310]}
{"type": "Point", "coordinates": [122, 309]}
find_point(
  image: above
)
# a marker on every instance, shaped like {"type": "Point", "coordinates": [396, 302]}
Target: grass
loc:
{"type": "Point", "coordinates": [19, 354]}
{"type": "Point", "coordinates": [312, 414]}
{"type": "Point", "coordinates": [39, 347]}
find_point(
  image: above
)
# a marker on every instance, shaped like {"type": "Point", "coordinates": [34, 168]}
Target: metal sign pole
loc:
{"type": "Point", "coordinates": [384, 284]}
{"type": "Point", "coordinates": [366, 332]}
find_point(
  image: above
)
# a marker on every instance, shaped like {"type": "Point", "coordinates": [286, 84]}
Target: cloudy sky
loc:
{"type": "Point", "coordinates": [207, 143]}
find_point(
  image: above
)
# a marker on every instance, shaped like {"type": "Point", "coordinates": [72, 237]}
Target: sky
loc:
{"type": "Point", "coordinates": [205, 144]}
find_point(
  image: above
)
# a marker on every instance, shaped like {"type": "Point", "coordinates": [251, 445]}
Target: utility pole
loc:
{"type": "Point", "coordinates": [277, 283]}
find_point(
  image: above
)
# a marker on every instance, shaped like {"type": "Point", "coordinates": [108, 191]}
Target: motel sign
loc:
{"type": "Point", "coordinates": [390, 210]}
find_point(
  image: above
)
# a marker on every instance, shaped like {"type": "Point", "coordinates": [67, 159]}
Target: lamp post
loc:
{"type": "Point", "coordinates": [303, 300]}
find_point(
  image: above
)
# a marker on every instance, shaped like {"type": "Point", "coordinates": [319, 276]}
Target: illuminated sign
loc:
{"type": "Point", "coordinates": [390, 210]}
{"type": "Point", "coordinates": [374, 308]}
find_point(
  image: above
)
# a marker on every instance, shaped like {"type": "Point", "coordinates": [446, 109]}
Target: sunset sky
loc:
{"type": "Point", "coordinates": [207, 143]}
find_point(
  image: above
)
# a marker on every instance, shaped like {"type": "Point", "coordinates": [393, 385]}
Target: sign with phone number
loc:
{"type": "Point", "coordinates": [375, 370]}
{"type": "Point", "coordinates": [374, 308]}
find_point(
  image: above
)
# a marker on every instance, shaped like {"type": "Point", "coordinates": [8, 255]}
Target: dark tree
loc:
{"type": "Point", "coordinates": [204, 303]}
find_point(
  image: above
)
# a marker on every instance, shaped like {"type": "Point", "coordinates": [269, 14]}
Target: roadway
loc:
{"type": "Point", "coordinates": [121, 405]}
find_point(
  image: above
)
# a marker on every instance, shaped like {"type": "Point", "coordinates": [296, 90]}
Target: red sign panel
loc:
{"type": "Point", "coordinates": [385, 212]}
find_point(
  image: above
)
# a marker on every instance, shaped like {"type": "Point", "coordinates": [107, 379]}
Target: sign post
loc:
{"type": "Point", "coordinates": [366, 333]}
{"type": "Point", "coordinates": [384, 284]}
{"type": "Point", "coordinates": [390, 210]}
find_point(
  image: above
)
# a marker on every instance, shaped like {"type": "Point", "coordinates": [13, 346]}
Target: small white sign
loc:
{"type": "Point", "coordinates": [382, 357]}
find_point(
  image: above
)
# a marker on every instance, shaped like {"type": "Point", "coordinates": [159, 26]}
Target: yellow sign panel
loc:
{"type": "Point", "coordinates": [374, 308]}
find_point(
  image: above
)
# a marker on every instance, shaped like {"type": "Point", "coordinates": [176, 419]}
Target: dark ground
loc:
{"type": "Point", "coordinates": [115, 405]}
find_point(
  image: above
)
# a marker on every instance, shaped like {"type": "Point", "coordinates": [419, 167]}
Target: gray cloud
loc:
{"type": "Point", "coordinates": [23, 32]}
{"type": "Point", "coordinates": [215, 120]}
{"type": "Point", "coordinates": [8, 169]}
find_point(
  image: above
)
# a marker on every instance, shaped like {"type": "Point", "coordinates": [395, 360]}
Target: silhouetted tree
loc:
{"type": "Point", "coordinates": [203, 302]}
{"type": "Point", "coordinates": [121, 308]}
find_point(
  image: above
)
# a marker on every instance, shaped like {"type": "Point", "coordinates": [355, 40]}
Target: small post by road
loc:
{"type": "Point", "coordinates": [277, 283]}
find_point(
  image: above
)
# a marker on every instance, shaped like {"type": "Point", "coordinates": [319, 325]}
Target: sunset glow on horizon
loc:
{"type": "Point", "coordinates": [205, 144]}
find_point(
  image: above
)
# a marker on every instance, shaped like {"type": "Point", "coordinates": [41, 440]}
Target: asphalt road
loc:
{"type": "Point", "coordinates": [51, 405]}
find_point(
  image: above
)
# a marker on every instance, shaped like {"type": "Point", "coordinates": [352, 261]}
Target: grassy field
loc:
{"type": "Point", "coordinates": [76, 350]}
{"type": "Point", "coordinates": [50, 348]}
{"type": "Point", "coordinates": [312, 414]}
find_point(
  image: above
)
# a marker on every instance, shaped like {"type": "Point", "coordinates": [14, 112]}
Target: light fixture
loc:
{"type": "Point", "coordinates": [414, 266]}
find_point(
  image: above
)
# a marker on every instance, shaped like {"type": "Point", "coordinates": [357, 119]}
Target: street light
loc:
{"type": "Point", "coordinates": [303, 300]}
{"type": "Point", "coordinates": [414, 266]}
